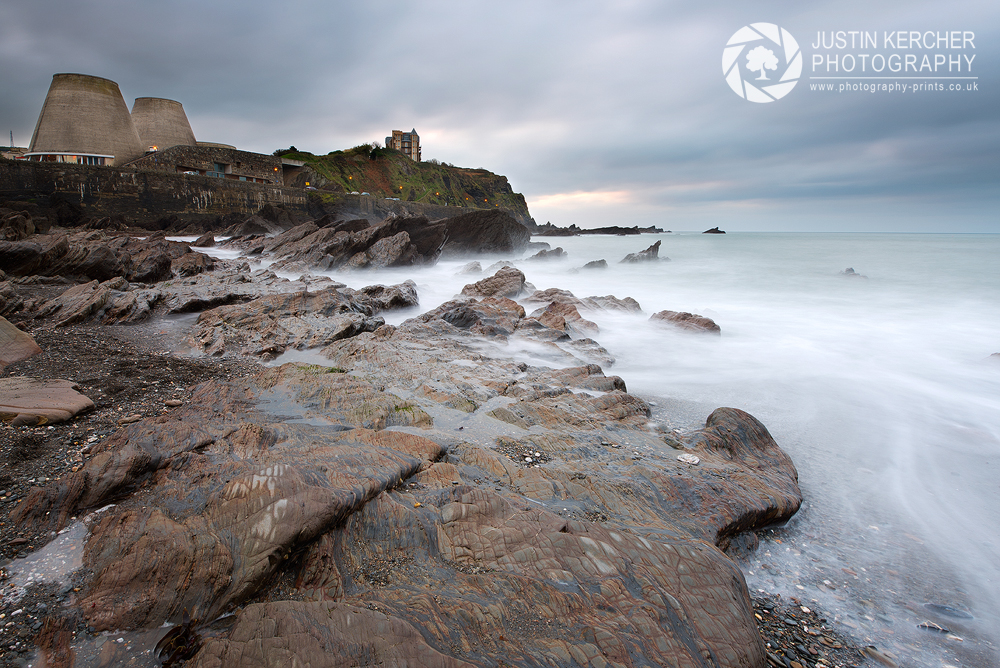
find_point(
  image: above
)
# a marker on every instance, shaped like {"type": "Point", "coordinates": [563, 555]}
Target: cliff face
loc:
{"type": "Point", "coordinates": [386, 173]}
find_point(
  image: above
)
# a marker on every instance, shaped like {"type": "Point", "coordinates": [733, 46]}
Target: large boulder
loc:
{"type": "Point", "coordinates": [484, 232]}
{"type": "Point", "coordinates": [507, 282]}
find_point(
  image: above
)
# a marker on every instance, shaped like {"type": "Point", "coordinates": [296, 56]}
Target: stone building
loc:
{"type": "Point", "coordinates": [407, 142]}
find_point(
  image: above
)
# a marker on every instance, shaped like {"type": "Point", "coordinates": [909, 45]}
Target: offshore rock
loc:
{"type": "Point", "coordinates": [651, 254]}
{"type": "Point", "coordinates": [687, 321]}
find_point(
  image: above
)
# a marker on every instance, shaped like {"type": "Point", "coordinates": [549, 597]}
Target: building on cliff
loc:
{"type": "Point", "coordinates": [84, 120]}
{"type": "Point", "coordinates": [407, 142]}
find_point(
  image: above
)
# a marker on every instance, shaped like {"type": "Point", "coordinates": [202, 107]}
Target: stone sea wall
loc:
{"type": "Point", "coordinates": [142, 196]}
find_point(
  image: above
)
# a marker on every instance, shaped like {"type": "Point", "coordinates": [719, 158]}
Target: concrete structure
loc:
{"type": "Point", "coordinates": [84, 120]}
{"type": "Point", "coordinates": [407, 142]}
{"type": "Point", "coordinates": [213, 160]}
{"type": "Point", "coordinates": [161, 123]}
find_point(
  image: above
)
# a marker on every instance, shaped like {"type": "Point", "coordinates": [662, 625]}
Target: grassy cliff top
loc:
{"type": "Point", "coordinates": [385, 172]}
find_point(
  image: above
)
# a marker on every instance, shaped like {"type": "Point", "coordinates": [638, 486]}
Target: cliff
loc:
{"type": "Point", "coordinates": [424, 188]}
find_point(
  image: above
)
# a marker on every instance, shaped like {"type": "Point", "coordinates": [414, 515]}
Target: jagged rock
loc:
{"type": "Point", "coordinates": [687, 321]}
{"type": "Point", "coordinates": [15, 226]}
{"type": "Point", "coordinates": [651, 254]}
{"type": "Point", "coordinates": [206, 240]}
{"type": "Point", "coordinates": [596, 264]}
{"type": "Point", "coordinates": [605, 303]}
{"type": "Point", "coordinates": [10, 300]}
{"type": "Point", "coordinates": [492, 316]}
{"type": "Point", "coordinates": [507, 282]}
{"type": "Point", "coordinates": [714, 230]}
{"type": "Point", "coordinates": [565, 317]}
{"type": "Point", "coordinates": [394, 251]}
{"type": "Point", "coordinates": [297, 320]}
{"type": "Point", "coordinates": [293, 489]}
{"type": "Point", "coordinates": [191, 264]}
{"type": "Point", "coordinates": [483, 232]}
{"type": "Point", "coordinates": [109, 303]}
{"type": "Point", "coordinates": [253, 225]}
{"type": "Point", "coordinates": [471, 268]}
{"type": "Point", "coordinates": [556, 252]}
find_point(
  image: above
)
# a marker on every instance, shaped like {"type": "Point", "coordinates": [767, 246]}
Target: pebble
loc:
{"type": "Point", "coordinates": [130, 419]}
{"type": "Point", "coordinates": [173, 403]}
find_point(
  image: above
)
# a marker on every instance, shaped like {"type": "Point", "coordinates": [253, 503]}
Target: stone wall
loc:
{"type": "Point", "coordinates": [237, 165]}
{"type": "Point", "coordinates": [143, 196]}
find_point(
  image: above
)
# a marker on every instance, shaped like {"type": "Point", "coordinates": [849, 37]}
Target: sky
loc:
{"type": "Point", "coordinates": [600, 113]}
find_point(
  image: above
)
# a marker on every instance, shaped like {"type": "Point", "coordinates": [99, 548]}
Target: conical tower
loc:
{"type": "Point", "coordinates": [161, 123]}
{"type": "Point", "coordinates": [83, 114]}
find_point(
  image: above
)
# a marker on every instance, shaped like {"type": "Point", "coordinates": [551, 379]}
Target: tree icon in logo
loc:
{"type": "Point", "coordinates": [761, 58]}
{"type": "Point", "coordinates": [765, 46]}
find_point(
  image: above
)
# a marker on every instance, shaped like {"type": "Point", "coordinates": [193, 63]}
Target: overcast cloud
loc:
{"type": "Point", "coordinates": [600, 113]}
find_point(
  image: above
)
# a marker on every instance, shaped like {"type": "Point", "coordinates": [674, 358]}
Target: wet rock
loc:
{"type": "Point", "coordinates": [471, 268]}
{"type": "Point", "coordinates": [651, 254]}
{"type": "Point", "coordinates": [686, 321]}
{"type": "Point", "coordinates": [714, 230]}
{"type": "Point", "coordinates": [206, 240]}
{"type": "Point", "coordinates": [432, 497]}
{"type": "Point", "coordinates": [555, 253]}
{"type": "Point", "coordinates": [111, 302]}
{"type": "Point", "coordinates": [850, 273]}
{"type": "Point", "coordinates": [191, 264]}
{"type": "Point", "coordinates": [297, 320]}
{"type": "Point", "coordinates": [605, 303]}
{"type": "Point", "coordinates": [565, 317]}
{"type": "Point", "coordinates": [507, 282]}
{"type": "Point", "coordinates": [596, 264]}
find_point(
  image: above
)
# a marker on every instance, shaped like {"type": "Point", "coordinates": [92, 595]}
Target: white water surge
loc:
{"type": "Point", "coordinates": [880, 388]}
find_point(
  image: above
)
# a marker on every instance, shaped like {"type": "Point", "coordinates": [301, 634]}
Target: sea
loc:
{"type": "Point", "coordinates": [882, 384]}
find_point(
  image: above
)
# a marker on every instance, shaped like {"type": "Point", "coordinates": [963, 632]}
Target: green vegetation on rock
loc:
{"type": "Point", "coordinates": [387, 173]}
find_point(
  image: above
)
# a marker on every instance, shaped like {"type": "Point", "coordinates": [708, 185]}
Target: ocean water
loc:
{"type": "Point", "coordinates": [881, 388]}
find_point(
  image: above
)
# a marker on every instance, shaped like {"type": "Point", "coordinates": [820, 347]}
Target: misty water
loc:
{"type": "Point", "coordinates": [881, 388]}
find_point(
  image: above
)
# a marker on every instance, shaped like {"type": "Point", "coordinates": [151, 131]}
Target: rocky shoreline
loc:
{"type": "Point", "coordinates": [465, 506]}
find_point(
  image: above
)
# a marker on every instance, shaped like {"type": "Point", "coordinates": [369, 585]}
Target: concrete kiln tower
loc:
{"type": "Point", "coordinates": [161, 123]}
{"type": "Point", "coordinates": [85, 120]}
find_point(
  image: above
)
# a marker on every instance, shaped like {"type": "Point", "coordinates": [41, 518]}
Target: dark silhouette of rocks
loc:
{"type": "Point", "coordinates": [596, 264]}
{"type": "Point", "coordinates": [714, 230]}
{"type": "Point", "coordinates": [686, 321]}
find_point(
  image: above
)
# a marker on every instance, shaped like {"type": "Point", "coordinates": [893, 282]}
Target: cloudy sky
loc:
{"type": "Point", "coordinates": [601, 113]}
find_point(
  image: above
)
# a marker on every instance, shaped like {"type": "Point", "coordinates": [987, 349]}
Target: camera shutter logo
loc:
{"type": "Point", "coordinates": [762, 62]}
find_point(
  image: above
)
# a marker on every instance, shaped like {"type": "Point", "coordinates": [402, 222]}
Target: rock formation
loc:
{"type": "Point", "coordinates": [651, 254]}
{"type": "Point", "coordinates": [687, 321]}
